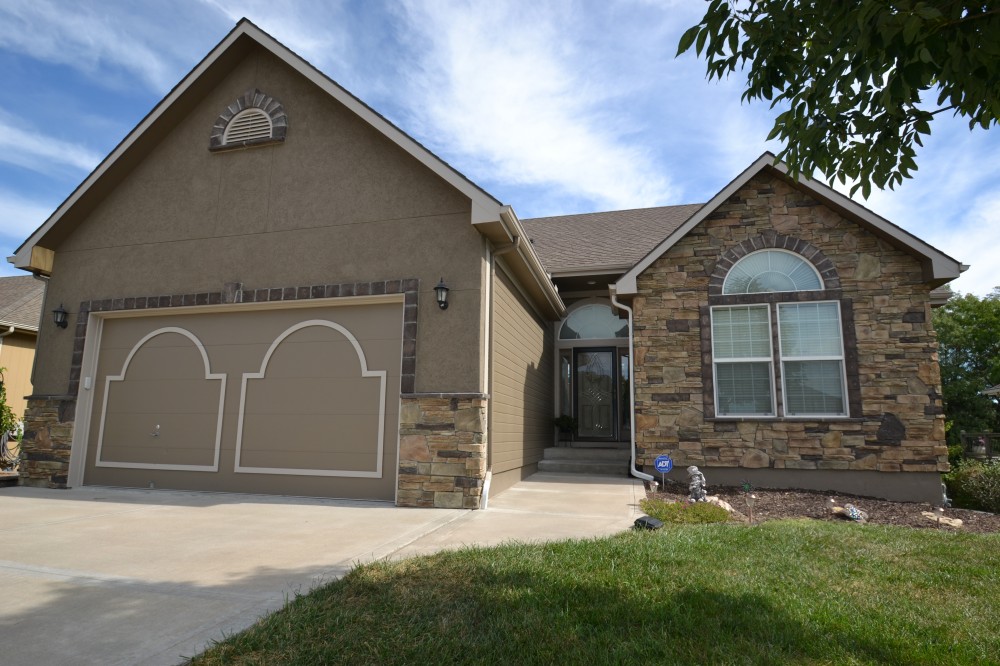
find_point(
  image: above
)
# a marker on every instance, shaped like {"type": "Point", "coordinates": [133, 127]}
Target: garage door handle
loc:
{"type": "Point", "coordinates": [156, 431]}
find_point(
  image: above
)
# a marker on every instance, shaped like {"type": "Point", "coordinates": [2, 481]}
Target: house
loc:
{"type": "Point", "coordinates": [20, 309]}
{"type": "Point", "coordinates": [272, 289]}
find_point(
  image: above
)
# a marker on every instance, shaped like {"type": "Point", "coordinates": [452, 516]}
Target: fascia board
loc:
{"type": "Point", "coordinates": [533, 263]}
{"type": "Point", "coordinates": [627, 284]}
{"type": "Point", "coordinates": [597, 269]}
{"type": "Point", "coordinates": [484, 207]}
{"type": "Point", "coordinates": [942, 267]}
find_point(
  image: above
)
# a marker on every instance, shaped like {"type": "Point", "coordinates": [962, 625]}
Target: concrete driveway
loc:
{"type": "Point", "coordinates": [112, 576]}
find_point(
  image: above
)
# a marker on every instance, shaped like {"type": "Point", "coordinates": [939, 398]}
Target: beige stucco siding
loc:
{"type": "Point", "coordinates": [521, 392]}
{"type": "Point", "coordinates": [336, 202]}
{"type": "Point", "coordinates": [296, 401]}
{"type": "Point", "coordinates": [17, 352]}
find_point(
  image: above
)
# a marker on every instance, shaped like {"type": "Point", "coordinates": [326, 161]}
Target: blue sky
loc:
{"type": "Point", "coordinates": [554, 107]}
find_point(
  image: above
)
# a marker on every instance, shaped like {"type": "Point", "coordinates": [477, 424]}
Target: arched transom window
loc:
{"type": "Point", "coordinates": [771, 271]}
{"type": "Point", "coordinates": [593, 322]}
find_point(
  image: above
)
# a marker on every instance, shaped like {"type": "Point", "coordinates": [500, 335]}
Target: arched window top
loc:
{"type": "Point", "coordinates": [768, 271]}
{"type": "Point", "coordinates": [252, 119]}
{"type": "Point", "coordinates": [594, 321]}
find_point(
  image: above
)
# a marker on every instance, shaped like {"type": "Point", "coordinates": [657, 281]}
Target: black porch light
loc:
{"type": "Point", "coordinates": [59, 316]}
{"type": "Point", "coordinates": [441, 292]}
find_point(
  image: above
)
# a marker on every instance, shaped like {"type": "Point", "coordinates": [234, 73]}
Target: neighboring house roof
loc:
{"type": "Point", "coordinates": [938, 267]}
{"type": "Point", "coordinates": [612, 241]}
{"type": "Point", "coordinates": [21, 299]}
{"type": "Point", "coordinates": [993, 390]}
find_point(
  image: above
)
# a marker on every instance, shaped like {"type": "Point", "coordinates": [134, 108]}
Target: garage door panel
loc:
{"type": "Point", "coordinates": [322, 460]}
{"type": "Point", "coordinates": [312, 412]}
{"type": "Point", "coordinates": [133, 449]}
{"type": "Point", "coordinates": [170, 396]}
{"type": "Point", "coordinates": [313, 395]}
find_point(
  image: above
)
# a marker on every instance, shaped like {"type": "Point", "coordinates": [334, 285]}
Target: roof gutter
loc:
{"type": "Point", "coordinates": [514, 229]}
{"type": "Point", "coordinates": [631, 387]}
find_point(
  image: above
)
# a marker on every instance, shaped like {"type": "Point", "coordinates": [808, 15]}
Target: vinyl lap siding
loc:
{"type": "Point", "coordinates": [522, 392]}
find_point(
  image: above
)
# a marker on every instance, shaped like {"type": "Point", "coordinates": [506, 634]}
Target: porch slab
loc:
{"type": "Point", "coordinates": [546, 506]}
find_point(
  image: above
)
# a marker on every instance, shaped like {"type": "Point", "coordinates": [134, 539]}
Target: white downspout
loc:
{"type": "Point", "coordinates": [631, 385]}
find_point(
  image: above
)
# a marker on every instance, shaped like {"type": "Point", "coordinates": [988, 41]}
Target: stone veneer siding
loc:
{"type": "Point", "coordinates": [49, 419]}
{"type": "Point", "coordinates": [48, 437]}
{"type": "Point", "coordinates": [896, 421]}
{"type": "Point", "coordinates": [442, 450]}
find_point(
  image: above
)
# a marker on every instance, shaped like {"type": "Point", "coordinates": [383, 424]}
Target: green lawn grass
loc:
{"type": "Point", "coordinates": [784, 592]}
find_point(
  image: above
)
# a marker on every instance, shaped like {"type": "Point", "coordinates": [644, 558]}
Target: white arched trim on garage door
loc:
{"type": "Point", "coordinates": [214, 467]}
{"type": "Point", "coordinates": [365, 372]}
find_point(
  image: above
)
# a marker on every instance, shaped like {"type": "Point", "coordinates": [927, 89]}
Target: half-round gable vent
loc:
{"type": "Point", "coordinates": [252, 119]}
{"type": "Point", "coordinates": [248, 125]}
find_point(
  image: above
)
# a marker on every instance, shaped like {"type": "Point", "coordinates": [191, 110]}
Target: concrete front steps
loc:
{"type": "Point", "coordinates": [591, 461]}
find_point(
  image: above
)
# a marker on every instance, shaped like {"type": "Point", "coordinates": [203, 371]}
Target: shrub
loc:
{"type": "Point", "coordinates": [974, 484]}
{"type": "Point", "coordinates": [684, 512]}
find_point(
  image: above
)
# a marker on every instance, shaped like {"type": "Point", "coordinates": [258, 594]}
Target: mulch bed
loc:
{"type": "Point", "coordinates": [778, 504]}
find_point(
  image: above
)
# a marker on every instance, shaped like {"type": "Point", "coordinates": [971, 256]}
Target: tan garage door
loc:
{"type": "Point", "coordinates": [299, 401]}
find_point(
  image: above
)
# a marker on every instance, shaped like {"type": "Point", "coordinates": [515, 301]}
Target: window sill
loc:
{"type": "Point", "coordinates": [784, 419]}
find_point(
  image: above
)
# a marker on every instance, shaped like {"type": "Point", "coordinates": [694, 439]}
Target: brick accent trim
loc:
{"type": "Point", "coordinates": [251, 99]}
{"type": "Point", "coordinates": [770, 239]}
{"type": "Point", "coordinates": [235, 293]}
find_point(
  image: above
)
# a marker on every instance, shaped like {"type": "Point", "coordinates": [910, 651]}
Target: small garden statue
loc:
{"type": "Point", "coordinates": [696, 485]}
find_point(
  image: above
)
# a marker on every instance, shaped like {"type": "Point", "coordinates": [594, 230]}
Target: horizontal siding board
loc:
{"type": "Point", "coordinates": [522, 392]}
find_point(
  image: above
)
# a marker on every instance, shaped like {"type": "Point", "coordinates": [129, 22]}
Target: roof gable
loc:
{"type": "Point", "coordinates": [34, 256]}
{"type": "Point", "coordinates": [938, 267]}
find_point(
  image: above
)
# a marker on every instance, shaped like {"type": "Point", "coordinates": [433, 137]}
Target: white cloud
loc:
{"type": "Point", "coordinates": [19, 216]}
{"type": "Point", "coordinates": [974, 241]}
{"type": "Point", "coordinates": [512, 92]}
{"type": "Point", "coordinates": [88, 38]}
{"type": "Point", "coordinates": [24, 146]}
{"type": "Point", "coordinates": [317, 31]}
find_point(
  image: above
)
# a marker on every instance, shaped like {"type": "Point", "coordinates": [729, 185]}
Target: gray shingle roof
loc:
{"type": "Point", "coordinates": [21, 301]}
{"type": "Point", "coordinates": [593, 240]}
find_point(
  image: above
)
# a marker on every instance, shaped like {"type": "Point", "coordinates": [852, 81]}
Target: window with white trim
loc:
{"type": "Point", "coordinates": [779, 341]}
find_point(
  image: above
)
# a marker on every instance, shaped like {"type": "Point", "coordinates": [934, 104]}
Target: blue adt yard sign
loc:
{"type": "Point", "coordinates": [663, 464]}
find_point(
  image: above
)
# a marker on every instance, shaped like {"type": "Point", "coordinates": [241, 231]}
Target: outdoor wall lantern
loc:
{"type": "Point", "coordinates": [59, 316]}
{"type": "Point", "coordinates": [441, 292]}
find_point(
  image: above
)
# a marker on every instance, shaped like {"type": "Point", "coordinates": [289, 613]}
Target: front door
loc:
{"type": "Point", "coordinates": [596, 392]}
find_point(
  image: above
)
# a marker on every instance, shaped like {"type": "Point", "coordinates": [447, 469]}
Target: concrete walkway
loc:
{"type": "Point", "coordinates": [113, 576]}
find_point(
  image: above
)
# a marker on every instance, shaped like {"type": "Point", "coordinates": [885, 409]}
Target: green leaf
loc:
{"type": "Point", "coordinates": [687, 39]}
{"type": "Point", "coordinates": [700, 42]}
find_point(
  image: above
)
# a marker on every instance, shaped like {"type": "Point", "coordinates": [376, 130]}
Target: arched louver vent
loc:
{"type": "Point", "coordinates": [252, 119]}
{"type": "Point", "coordinates": [248, 125]}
